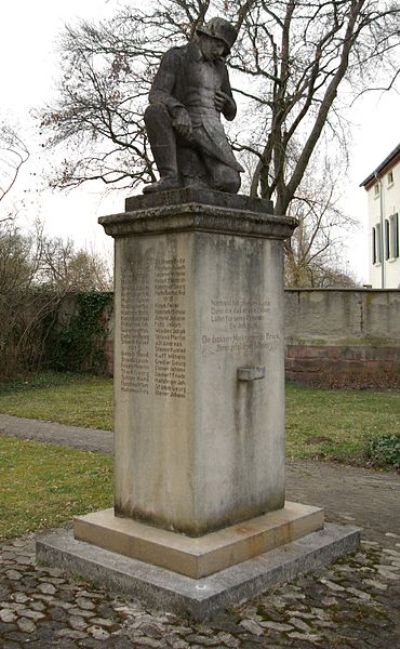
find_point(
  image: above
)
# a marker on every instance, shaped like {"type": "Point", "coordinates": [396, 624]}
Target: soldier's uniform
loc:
{"type": "Point", "coordinates": [186, 80]}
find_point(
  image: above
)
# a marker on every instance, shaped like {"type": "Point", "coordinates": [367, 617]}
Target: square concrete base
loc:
{"type": "Point", "coordinates": [201, 598]}
{"type": "Point", "coordinates": [202, 556]}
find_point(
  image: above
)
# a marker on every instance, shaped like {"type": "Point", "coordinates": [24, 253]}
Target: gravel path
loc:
{"type": "Point", "coordinates": [353, 604]}
{"type": "Point", "coordinates": [88, 439]}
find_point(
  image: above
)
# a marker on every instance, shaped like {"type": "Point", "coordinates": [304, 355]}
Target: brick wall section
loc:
{"type": "Point", "coordinates": [342, 338]}
{"type": "Point", "coordinates": [343, 366]}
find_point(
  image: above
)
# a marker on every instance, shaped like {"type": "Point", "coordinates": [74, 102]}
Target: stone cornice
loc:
{"type": "Point", "coordinates": [198, 217]}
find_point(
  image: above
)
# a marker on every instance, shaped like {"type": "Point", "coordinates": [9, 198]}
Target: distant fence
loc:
{"type": "Point", "coordinates": [333, 337]}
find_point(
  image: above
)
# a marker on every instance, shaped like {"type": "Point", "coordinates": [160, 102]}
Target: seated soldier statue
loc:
{"type": "Point", "coordinates": [190, 92]}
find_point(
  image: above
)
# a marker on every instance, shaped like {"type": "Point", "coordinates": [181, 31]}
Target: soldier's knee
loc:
{"type": "Point", "coordinates": [227, 180]}
{"type": "Point", "coordinates": [156, 112]}
{"type": "Point", "coordinates": [233, 182]}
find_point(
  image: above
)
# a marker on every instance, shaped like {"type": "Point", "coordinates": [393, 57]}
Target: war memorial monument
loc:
{"type": "Point", "coordinates": [200, 519]}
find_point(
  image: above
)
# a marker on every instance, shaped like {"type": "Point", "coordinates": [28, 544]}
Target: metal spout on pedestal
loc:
{"type": "Point", "coordinates": [250, 373]}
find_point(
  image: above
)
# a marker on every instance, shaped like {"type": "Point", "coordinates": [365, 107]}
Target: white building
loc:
{"type": "Point", "coordinates": [383, 187]}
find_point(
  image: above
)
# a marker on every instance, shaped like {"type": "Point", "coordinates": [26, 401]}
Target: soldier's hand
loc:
{"type": "Point", "coordinates": [183, 124]}
{"type": "Point", "coordinates": [220, 100]}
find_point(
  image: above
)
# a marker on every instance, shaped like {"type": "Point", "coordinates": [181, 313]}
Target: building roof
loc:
{"type": "Point", "coordinates": [389, 160]}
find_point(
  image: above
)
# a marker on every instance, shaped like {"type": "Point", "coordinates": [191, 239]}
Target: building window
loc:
{"type": "Point", "coordinates": [377, 254]}
{"type": "Point", "coordinates": [387, 239]}
{"type": "Point", "coordinates": [374, 248]}
{"type": "Point", "coordinates": [394, 235]}
{"type": "Point", "coordinates": [390, 178]}
{"type": "Point", "coordinates": [376, 189]}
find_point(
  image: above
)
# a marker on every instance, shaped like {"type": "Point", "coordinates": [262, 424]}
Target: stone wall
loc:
{"type": "Point", "coordinates": [333, 337]}
{"type": "Point", "coordinates": [343, 337]}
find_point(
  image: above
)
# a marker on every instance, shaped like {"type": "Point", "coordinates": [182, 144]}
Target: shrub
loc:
{"type": "Point", "coordinates": [385, 450]}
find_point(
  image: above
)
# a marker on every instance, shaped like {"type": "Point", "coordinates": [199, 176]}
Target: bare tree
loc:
{"type": "Point", "coordinates": [13, 155]}
{"type": "Point", "coordinates": [297, 65]}
{"type": "Point", "coordinates": [314, 253]}
{"type": "Point", "coordinates": [66, 269]}
{"type": "Point", "coordinates": [291, 59]}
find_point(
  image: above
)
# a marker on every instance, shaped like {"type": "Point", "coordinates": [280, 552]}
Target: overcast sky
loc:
{"type": "Point", "coordinates": [28, 36]}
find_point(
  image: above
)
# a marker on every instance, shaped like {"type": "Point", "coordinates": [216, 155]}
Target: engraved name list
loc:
{"type": "Point", "coordinates": [153, 328]}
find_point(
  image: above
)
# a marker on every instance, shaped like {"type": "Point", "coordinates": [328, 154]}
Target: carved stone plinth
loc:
{"type": "Point", "coordinates": [207, 554]}
{"type": "Point", "coordinates": [199, 376]}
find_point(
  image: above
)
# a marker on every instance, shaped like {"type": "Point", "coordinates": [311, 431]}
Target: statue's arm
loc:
{"type": "Point", "coordinates": [162, 88]}
{"type": "Point", "coordinates": [229, 109]}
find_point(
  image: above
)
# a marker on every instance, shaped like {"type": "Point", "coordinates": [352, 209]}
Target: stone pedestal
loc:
{"type": "Point", "coordinates": [199, 375]}
{"type": "Point", "coordinates": [199, 397]}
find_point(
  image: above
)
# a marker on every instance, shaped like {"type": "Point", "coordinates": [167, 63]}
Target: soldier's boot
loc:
{"type": "Point", "coordinates": [163, 146]}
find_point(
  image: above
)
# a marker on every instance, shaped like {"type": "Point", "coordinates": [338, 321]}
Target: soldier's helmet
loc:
{"type": "Point", "coordinates": [222, 30]}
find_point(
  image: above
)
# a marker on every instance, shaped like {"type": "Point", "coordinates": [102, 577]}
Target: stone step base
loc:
{"type": "Point", "coordinates": [204, 555]}
{"type": "Point", "coordinates": [201, 598]}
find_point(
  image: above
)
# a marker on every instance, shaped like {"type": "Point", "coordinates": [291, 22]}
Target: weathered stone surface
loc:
{"type": "Point", "coordinates": [37, 606]}
{"type": "Point", "coordinates": [79, 612]}
{"type": "Point", "coordinates": [33, 615]}
{"type": "Point", "coordinates": [14, 575]}
{"type": "Point", "coordinates": [58, 613]}
{"type": "Point", "coordinates": [201, 598]}
{"type": "Point", "coordinates": [99, 621]}
{"type": "Point", "coordinates": [305, 636]}
{"type": "Point", "coordinates": [195, 303]}
{"type": "Point", "coordinates": [182, 197]}
{"type": "Point", "coordinates": [197, 217]}
{"type": "Point", "coordinates": [70, 633]}
{"type": "Point", "coordinates": [98, 632]}
{"type": "Point", "coordinates": [7, 615]}
{"type": "Point", "coordinates": [77, 623]}
{"type": "Point", "coordinates": [25, 625]}
{"type": "Point", "coordinates": [85, 603]}
{"type": "Point", "coordinates": [21, 598]}
{"type": "Point", "coordinates": [47, 589]}
{"type": "Point", "coordinates": [201, 556]}
{"type": "Point", "coordinates": [277, 626]}
{"type": "Point", "coordinates": [252, 627]}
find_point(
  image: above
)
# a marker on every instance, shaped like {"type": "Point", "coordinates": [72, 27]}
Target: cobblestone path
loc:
{"type": "Point", "coordinates": [353, 604]}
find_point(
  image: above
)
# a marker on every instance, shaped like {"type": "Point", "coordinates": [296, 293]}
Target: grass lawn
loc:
{"type": "Point", "coordinates": [320, 423]}
{"type": "Point", "coordinates": [76, 399]}
{"type": "Point", "coordinates": [337, 425]}
{"type": "Point", "coordinates": [43, 485]}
